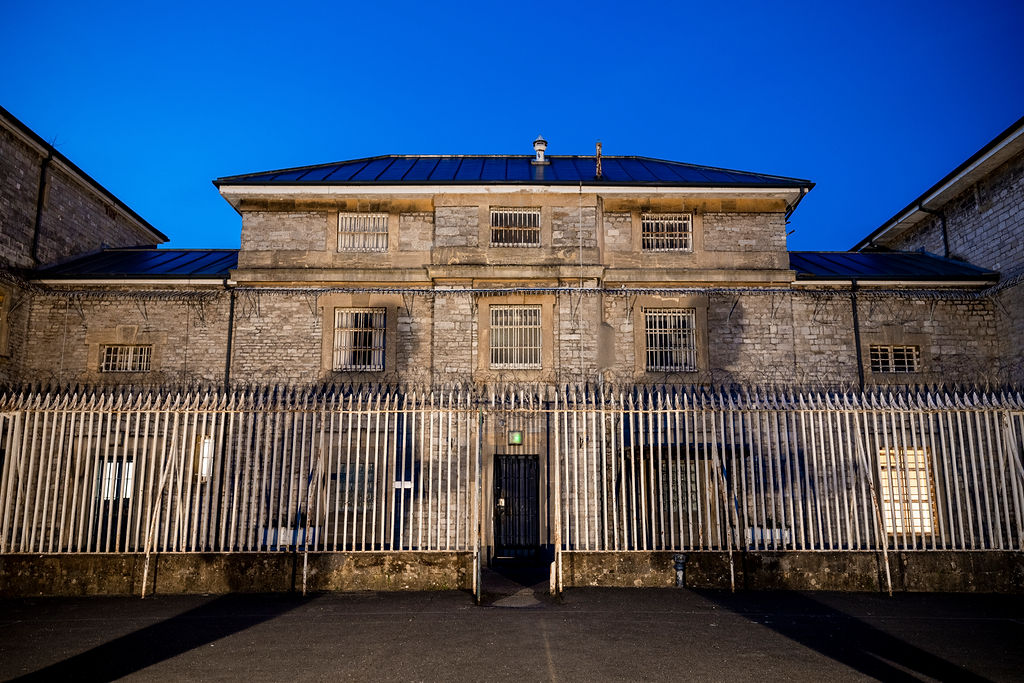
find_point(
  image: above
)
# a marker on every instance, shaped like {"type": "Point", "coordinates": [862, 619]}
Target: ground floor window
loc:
{"type": "Point", "coordinates": [895, 359]}
{"type": "Point", "coordinates": [906, 490]}
{"type": "Point", "coordinates": [359, 339]}
{"type": "Point", "coordinates": [126, 358]}
{"type": "Point", "coordinates": [515, 337]}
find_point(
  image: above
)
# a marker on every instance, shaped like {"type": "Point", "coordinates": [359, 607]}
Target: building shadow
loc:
{"type": "Point", "coordinates": [202, 625]}
{"type": "Point", "coordinates": [840, 636]}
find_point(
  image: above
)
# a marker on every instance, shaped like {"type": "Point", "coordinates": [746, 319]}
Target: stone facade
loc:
{"type": "Point", "coordinates": [984, 225]}
{"type": "Point", "coordinates": [50, 211]}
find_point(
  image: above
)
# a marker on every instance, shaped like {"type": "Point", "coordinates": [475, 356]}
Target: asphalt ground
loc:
{"type": "Point", "coordinates": [519, 635]}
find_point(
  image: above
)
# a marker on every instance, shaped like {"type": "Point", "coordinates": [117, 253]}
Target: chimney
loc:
{"type": "Point", "coordinates": [597, 159]}
{"type": "Point", "coordinates": [539, 145]}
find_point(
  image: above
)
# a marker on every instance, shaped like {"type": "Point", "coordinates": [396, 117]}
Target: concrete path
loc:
{"type": "Point", "coordinates": [590, 635]}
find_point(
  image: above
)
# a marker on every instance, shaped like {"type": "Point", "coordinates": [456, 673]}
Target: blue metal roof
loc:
{"type": "Point", "coordinates": [882, 265]}
{"type": "Point", "coordinates": [476, 169]}
{"type": "Point", "coordinates": [146, 263]}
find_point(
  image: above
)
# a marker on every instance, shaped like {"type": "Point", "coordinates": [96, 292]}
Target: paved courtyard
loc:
{"type": "Point", "coordinates": [592, 634]}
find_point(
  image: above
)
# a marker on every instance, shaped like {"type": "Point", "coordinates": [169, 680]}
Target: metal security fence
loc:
{"type": "Point", "coordinates": [637, 469]}
{"type": "Point", "coordinates": [678, 471]}
{"type": "Point", "coordinates": [238, 472]}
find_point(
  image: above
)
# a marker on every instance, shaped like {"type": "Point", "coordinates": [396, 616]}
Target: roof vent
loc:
{"type": "Point", "coordinates": [539, 145]}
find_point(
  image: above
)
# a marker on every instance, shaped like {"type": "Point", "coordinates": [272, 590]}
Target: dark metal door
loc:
{"type": "Point", "coordinates": [516, 507]}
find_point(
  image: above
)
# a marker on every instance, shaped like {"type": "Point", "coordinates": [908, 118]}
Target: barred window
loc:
{"type": "Point", "coordinates": [126, 358]}
{"type": "Point", "coordinates": [362, 232]}
{"type": "Point", "coordinates": [895, 359]}
{"type": "Point", "coordinates": [515, 337]}
{"type": "Point", "coordinates": [667, 231]}
{"type": "Point", "coordinates": [671, 339]}
{"type": "Point", "coordinates": [906, 490]}
{"type": "Point", "coordinates": [359, 339]}
{"type": "Point", "coordinates": [515, 227]}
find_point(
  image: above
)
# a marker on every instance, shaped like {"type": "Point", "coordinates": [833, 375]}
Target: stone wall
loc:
{"type": "Point", "coordinates": [456, 226]}
{"type": "Point", "coordinates": [76, 217]}
{"type": "Point", "coordinates": [64, 335]}
{"type": "Point", "coordinates": [759, 232]}
{"type": "Point", "coordinates": [284, 231]}
{"type": "Point", "coordinates": [985, 223]}
{"type": "Point", "coordinates": [19, 189]}
{"type": "Point", "coordinates": [744, 338]}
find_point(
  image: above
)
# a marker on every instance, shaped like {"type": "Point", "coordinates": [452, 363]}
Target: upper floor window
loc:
{"type": "Point", "coordinates": [515, 227]}
{"type": "Point", "coordinates": [362, 231]}
{"type": "Point", "coordinates": [515, 337]}
{"type": "Point", "coordinates": [895, 359]}
{"type": "Point", "coordinates": [671, 339]}
{"type": "Point", "coordinates": [666, 232]}
{"type": "Point", "coordinates": [126, 358]}
{"type": "Point", "coordinates": [359, 339]}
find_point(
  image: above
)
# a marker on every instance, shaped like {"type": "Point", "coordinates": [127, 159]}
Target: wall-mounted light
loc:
{"type": "Point", "coordinates": [515, 438]}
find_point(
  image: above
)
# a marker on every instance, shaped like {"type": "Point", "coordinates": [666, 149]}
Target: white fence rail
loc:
{"type": "Point", "coordinates": [237, 472]}
{"type": "Point", "coordinates": [655, 470]}
{"type": "Point", "coordinates": [626, 470]}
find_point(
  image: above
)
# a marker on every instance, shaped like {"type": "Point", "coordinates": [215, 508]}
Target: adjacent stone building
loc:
{"type": "Point", "coordinates": [50, 211]}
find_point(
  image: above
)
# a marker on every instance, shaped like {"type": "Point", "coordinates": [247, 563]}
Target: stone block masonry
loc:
{"type": "Point", "coordinates": [456, 226]}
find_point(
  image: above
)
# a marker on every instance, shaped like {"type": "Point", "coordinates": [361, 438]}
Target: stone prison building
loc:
{"type": "Point", "coordinates": [536, 356]}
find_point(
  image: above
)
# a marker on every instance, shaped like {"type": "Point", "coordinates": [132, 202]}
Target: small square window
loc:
{"type": "Point", "coordinates": [666, 232]}
{"type": "Point", "coordinates": [515, 227]}
{"type": "Point", "coordinates": [359, 339]}
{"type": "Point", "coordinates": [895, 359]}
{"type": "Point", "coordinates": [362, 232]}
{"type": "Point", "coordinates": [126, 358]}
{"type": "Point", "coordinates": [515, 337]}
{"type": "Point", "coordinates": [671, 340]}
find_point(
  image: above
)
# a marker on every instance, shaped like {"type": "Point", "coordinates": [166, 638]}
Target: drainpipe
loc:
{"type": "Point", "coordinates": [40, 198]}
{"type": "Point", "coordinates": [856, 334]}
{"type": "Point", "coordinates": [942, 221]}
{"type": "Point", "coordinates": [231, 330]}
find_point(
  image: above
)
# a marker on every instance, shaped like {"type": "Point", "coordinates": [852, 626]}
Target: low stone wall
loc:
{"type": "Point", "coordinates": [937, 571]}
{"type": "Point", "coordinates": [202, 573]}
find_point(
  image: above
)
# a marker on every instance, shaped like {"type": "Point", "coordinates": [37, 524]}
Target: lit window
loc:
{"type": "Point", "coordinates": [203, 461]}
{"type": "Point", "coordinates": [670, 340]}
{"type": "Point", "coordinates": [117, 479]}
{"type": "Point", "coordinates": [895, 359]}
{"type": "Point", "coordinates": [126, 358]}
{"type": "Point", "coordinates": [906, 490]}
{"type": "Point", "coordinates": [362, 232]}
{"type": "Point", "coordinates": [667, 232]}
{"type": "Point", "coordinates": [515, 227]}
{"type": "Point", "coordinates": [359, 339]}
{"type": "Point", "coordinates": [515, 337]}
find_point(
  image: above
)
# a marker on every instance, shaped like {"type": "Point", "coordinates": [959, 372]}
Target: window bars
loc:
{"type": "Point", "coordinates": [126, 358]}
{"type": "Point", "coordinates": [515, 227]}
{"type": "Point", "coordinates": [515, 337]}
{"type": "Point", "coordinates": [359, 339]}
{"type": "Point", "coordinates": [667, 231]}
{"type": "Point", "coordinates": [362, 232]}
{"type": "Point", "coordinates": [670, 340]}
{"type": "Point", "coordinates": [895, 359]}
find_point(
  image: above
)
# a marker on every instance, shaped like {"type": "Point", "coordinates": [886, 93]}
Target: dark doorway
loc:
{"type": "Point", "coordinates": [516, 508]}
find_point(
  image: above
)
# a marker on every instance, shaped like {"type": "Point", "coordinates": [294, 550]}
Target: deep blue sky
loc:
{"type": "Point", "coordinates": [874, 102]}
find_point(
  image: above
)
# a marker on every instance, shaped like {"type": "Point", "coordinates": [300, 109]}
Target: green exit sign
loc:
{"type": "Point", "coordinates": [515, 438]}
